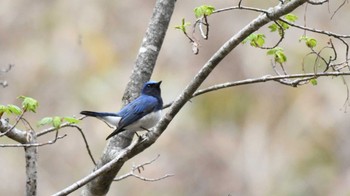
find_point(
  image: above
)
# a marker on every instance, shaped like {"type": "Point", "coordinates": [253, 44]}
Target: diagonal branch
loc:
{"type": "Point", "coordinates": [144, 65]}
{"type": "Point", "coordinates": [273, 14]}
{"type": "Point", "coordinates": [98, 172]}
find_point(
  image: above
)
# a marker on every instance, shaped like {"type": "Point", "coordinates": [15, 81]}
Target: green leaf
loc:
{"type": "Point", "coordinates": [45, 121]}
{"type": "Point", "coordinates": [313, 81]}
{"type": "Point", "coordinates": [3, 109]}
{"type": "Point", "coordinates": [56, 122]}
{"type": "Point", "coordinates": [291, 17]}
{"type": "Point", "coordinates": [280, 57]}
{"type": "Point", "coordinates": [71, 120]}
{"type": "Point", "coordinates": [273, 27]}
{"type": "Point", "coordinates": [256, 40]}
{"type": "Point", "coordinates": [13, 109]}
{"type": "Point", "coordinates": [29, 104]}
{"type": "Point", "coordinates": [204, 10]}
{"type": "Point", "coordinates": [284, 25]}
{"type": "Point", "coordinates": [183, 25]}
{"type": "Point", "coordinates": [309, 41]}
{"type": "Point", "coordinates": [278, 54]}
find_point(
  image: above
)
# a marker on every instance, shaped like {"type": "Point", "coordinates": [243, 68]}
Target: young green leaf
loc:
{"type": "Point", "coordinates": [3, 108]}
{"type": "Point", "coordinates": [256, 40]}
{"type": "Point", "coordinates": [13, 109]}
{"type": "Point", "coordinates": [183, 25]}
{"type": "Point", "coordinates": [309, 41]}
{"type": "Point", "coordinates": [56, 122]}
{"type": "Point", "coordinates": [204, 10]}
{"type": "Point", "coordinates": [280, 57]}
{"type": "Point", "coordinates": [284, 25]}
{"type": "Point", "coordinates": [278, 54]}
{"type": "Point", "coordinates": [45, 121]}
{"type": "Point", "coordinates": [273, 27]}
{"type": "Point", "coordinates": [291, 17]}
{"type": "Point", "coordinates": [29, 104]}
{"type": "Point", "coordinates": [313, 81]}
{"type": "Point", "coordinates": [71, 120]}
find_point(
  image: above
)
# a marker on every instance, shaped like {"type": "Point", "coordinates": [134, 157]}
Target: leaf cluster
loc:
{"type": "Point", "coordinates": [31, 105]}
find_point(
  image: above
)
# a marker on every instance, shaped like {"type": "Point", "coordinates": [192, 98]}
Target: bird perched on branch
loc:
{"type": "Point", "coordinates": [142, 113]}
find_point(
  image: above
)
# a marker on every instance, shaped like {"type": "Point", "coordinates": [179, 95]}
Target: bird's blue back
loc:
{"type": "Point", "coordinates": [137, 109]}
{"type": "Point", "coordinates": [148, 102]}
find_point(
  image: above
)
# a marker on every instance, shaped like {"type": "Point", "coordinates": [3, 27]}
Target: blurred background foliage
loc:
{"type": "Point", "coordinates": [261, 139]}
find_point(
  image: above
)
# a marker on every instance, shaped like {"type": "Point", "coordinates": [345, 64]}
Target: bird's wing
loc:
{"type": "Point", "coordinates": [136, 109]}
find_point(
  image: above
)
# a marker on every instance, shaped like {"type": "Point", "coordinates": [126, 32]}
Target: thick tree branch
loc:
{"type": "Point", "coordinates": [144, 65]}
{"type": "Point", "coordinates": [31, 157]}
{"type": "Point", "coordinates": [263, 19]}
{"type": "Point", "coordinates": [98, 172]}
{"type": "Point", "coordinates": [15, 134]}
{"type": "Point", "coordinates": [101, 185]}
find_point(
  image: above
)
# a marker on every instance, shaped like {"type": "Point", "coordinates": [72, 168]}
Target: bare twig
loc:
{"type": "Point", "coordinates": [4, 83]}
{"type": "Point", "coordinates": [335, 35]}
{"type": "Point", "coordinates": [266, 78]}
{"type": "Point", "coordinates": [9, 67]}
{"type": "Point", "coordinates": [279, 41]}
{"type": "Point", "coordinates": [240, 8]}
{"type": "Point", "coordinates": [316, 2]}
{"type": "Point", "coordinates": [85, 141]}
{"type": "Point", "coordinates": [339, 7]}
{"type": "Point", "coordinates": [99, 171]}
{"type": "Point", "coordinates": [34, 144]}
{"type": "Point", "coordinates": [138, 168]}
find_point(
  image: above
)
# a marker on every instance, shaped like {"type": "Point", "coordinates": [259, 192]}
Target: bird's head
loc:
{"type": "Point", "coordinates": [151, 88]}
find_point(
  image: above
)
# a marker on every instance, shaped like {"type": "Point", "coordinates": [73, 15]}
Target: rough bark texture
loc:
{"type": "Point", "coordinates": [142, 72]}
{"type": "Point", "coordinates": [31, 153]}
{"type": "Point", "coordinates": [234, 41]}
{"type": "Point", "coordinates": [31, 157]}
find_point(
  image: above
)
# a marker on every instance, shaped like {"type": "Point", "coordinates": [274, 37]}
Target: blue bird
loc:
{"type": "Point", "coordinates": [142, 113]}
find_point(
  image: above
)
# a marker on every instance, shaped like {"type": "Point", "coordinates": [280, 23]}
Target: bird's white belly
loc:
{"type": "Point", "coordinates": [146, 122]}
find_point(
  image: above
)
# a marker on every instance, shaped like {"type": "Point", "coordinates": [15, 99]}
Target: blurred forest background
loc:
{"type": "Point", "coordinates": [262, 139]}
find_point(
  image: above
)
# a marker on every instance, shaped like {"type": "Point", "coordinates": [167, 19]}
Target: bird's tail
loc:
{"type": "Point", "coordinates": [89, 113]}
{"type": "Point", "coordinates": [110, 118]}
{"type": "Point", "coordinates": [97, 114]}
{"type": "Point", "coordinates": [115, 132]}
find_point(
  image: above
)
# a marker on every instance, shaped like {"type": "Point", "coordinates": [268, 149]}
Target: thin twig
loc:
{"type": "Point", "coordinates": [259, 80]}
{"type": "Point", "coordinates": [103, 169]}
{"type": "Point", "coordinates": [315, 30]}
{"type": "Point", "coordinates": [138, 168]}
{"type": "Point", "coordinates": [51, 129]}
{"type": "Point", "coordinates": [34, 145]}
{"type": "Point", "coordinates": [85, 141]}
{"type": "Point", "coordinates": [315, 2]}
{"type": "Point", "coordinates": [339, 7]}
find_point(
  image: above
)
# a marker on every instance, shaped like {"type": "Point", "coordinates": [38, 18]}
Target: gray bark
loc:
{"type": "Point", "coordinates": [144, 65]}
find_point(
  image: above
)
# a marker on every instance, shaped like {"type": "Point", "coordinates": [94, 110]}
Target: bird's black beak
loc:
{"type": "Point", "coordinates": [159, 83]}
